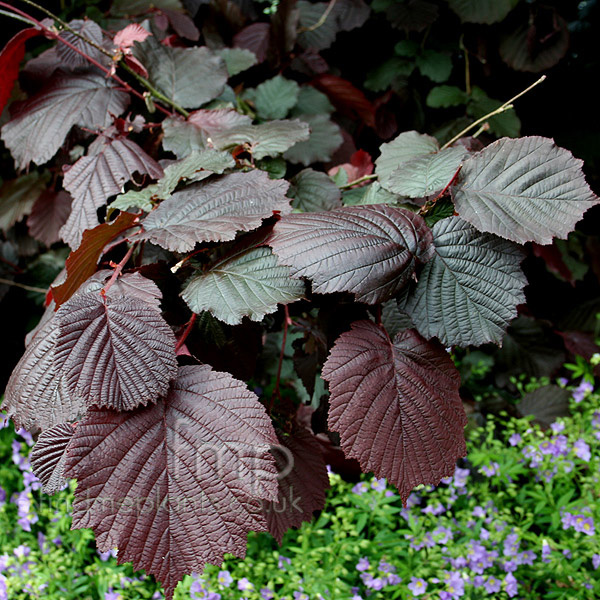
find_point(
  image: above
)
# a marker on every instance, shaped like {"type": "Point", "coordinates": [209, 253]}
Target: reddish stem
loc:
{"type": "Point", "coordinates": [118, 269]}
{"type": "Point", "coordinates": [186, 332]}
{"type": "Point", "coordinates": [51, 34]}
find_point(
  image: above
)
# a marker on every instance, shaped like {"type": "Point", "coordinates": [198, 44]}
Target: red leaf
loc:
{"type": "Point", "coordinates": [81, 264]}
{"type": "Point", "coordinates": [203, 453]}
{"type": "Point", "coordinates": [346, 98]}
{"type": "Point", "coordinates": [125, 38]}
{"type": "Point", "coordinates": [396, 405]}
{"type": "Point", "coordinates": [101, 337]}
{"type": "Point", "coordinates": [360, 165]}
{"type": "Point", "coordinates": [303, 482]}
{"type": "Point", "coordinates": [11, 56]}
{"type": "Point", "coordinates": [552, 256]}
{"type": "Point", "coordinates": [256, 38]}
{"type": "Point", "coordinates": [48, 456]}
{"type": "Point", "coordinates": [49, 214]}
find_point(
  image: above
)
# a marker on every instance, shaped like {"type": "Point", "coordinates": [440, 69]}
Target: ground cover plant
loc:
{"type": "Point", "coordinates": [518, 519]}
{"type": "Point", "coordinates": [224, 223]}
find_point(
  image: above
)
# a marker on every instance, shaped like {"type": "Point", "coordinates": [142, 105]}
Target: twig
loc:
{"type": "Point", "coordinates": [16, 17]}
{"type": "Point", "coordinates": [118, 269]}
{"type": "Point", "coordinates": [321, 21]}
{"type": "Point", "coordinates": [29, 288]}
{"type": "Point", "coordinates": [506, 106]}
{"type": "Point", "coordinates": [362, 179]}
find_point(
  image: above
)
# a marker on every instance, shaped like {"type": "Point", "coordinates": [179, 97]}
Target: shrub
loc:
{"type": "Point", "coordinates": [237, 221]}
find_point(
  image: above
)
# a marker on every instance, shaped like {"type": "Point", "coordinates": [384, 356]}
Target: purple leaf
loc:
{"type": "Point", "coordinates": [96, 177]}
{"type": "Point", "coordinates": [115, 352]}
{"type": "Point", "coordinates": [303, 481]}
{"type": "Point", "coordinates": [215, 211]}
{"type": "Point", "coordinates": [371, 251]}
{"type": "Point", "coordinates": [48, 456]}
{"type": "Point", "coordinates": [49, 213]}
{"type": "Point", "coordinates": [87, 29]}
{"type": "Point", "coordinates": [36, 396]}
{"type": "Point", "coordinates": [256, 38]}
{"type": "Point", "coordinates": [40, 126]}
{"type": "Point", "coordinates": [18, 197]}
{"type": "Point", "coordinates": [204, 458]}
{"type": "Point", "coordinates": [396, 405]}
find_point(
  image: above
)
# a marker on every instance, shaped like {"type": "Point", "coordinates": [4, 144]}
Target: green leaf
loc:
{"type": "Point", "coordinates": [267, 139]}
{"type": "Point", "coordinates": [275, 167]}
{"type": "Point", "coordinates": [408, 145]}
{"type": "Point", "coordinates": [190, 77]}
{"type": "Point", "coordinates": [311, 102]}
{"type": "Point", "coordinates": [482, 11]}
{"type": "Point", "coordinates": [275, 97]}
{"type": "Point", "coordinates": [383, 76]}
{"type": "Point", "coordinates": [435, 65]}
{"type": "Point", "coordinates": [469, 292]}
{"type": "Point", "coordinates": [443, 96]}
{"type": "Point", "coordinates": [237, 60]}
{"type": "Point", "coordinates": [325, 138]}
{"type": "Point", "coordinates": [407, 48]}
{"type": "Point", "coordinates": [314, 191]}
{"type": "Point", "coordinates": [425, 175]}
{"type": "Point", "coordinates": [370, 194]}
{"type": "Point", "coordinates": [442, 209]}
{"type": "Point", "coordinates": [248, 284]}
{"type": "Point", "coordinates": [506, 124]}
{"type": "Point", "coordinates": [195, 167]}
{"type": "Point", "coordinates": [526, 189]}
{"type": "Point", "coordinates": [18, 197]}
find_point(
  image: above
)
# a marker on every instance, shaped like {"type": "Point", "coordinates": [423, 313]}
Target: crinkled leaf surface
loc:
{"type": "Point", "coordinates": [275, 97]}
{"type": "Point", "coordinates": [131, 285]}
{"type": "Point", "coordinates": [482, 11]}
{"type": "Point", "coordinates": [36, 396]}
{"type": "Point", "coordinates": [314, 191]}
{"type": "Point", "coordinates": [49, 454]}
{"type": "Point", "coordinates": [182, 137]}
{"type": "Point", "coordinates": [407, 146]}
{"type": "Point", "coordinates": [267, 139]}
{"type": "Point", "coordinates": [215, 211]}
{"type": "Point", "coordinates": [425, 175]}
{"type": "Point", "coordinates": [42, 123]}
{"type": "Point", "coordinates": [93, 179]}
{"type": "Point", "coordinates": [88, 29]}
{"type": "Point", "coordinates": [524, 190]}
{"type": "Point", "coordinates": [49, 213]}
{"type": "Point", "coordinates": [303, 481]}
{"type": "Point", "coordinates": [191, 77]}
{"type": "Point", "coordinates": [115, 352]}
{"type": "Point", "coordinates": [248, 284]}
{"type": "Point", "coordinates": [203, 456]}
{"type": "Point", "coordinates": [396, 405]}
{"type": "Point", "coordinates": [325, 138]}
{"type": "Point", "coordinates": [370, 251]}
{"type": "Point", "coordinates": [469, 292]}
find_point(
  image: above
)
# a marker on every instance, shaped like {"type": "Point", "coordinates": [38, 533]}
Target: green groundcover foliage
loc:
{"type": "Point", "coordinates": [519, 518]}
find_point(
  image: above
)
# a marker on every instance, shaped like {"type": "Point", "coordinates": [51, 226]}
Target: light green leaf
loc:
{"type": "Point", "coordinates": [314, 191]}
{"type": "Point", "coordinates": [325, 138]}
{"type": "Point", "coordinates": [370, 194]}
{"type": "Point", "coordinates": [506, 124]}
{"type": "Point", "coordinates": [275, 97]}
{"type": "Point", "coordinates": [469, 292]}
{"type": "Point", "coordinates": [237, 59]}
{"type": "Point", "coordinates": [425, 175]}
{"type": "Point", "coordinates": [311, 102]}
{"type": "Point", "coordinates": [249, 284]}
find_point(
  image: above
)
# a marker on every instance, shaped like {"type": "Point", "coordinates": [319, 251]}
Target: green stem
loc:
{"type": "Point", "coordinates": [16, 17]}
{"type": "Point", "coordinates": [362, 179]}
{"type": "Point", "coordinates": [506, 106]}
{"type": "Point", "coordinates": [321, 20]}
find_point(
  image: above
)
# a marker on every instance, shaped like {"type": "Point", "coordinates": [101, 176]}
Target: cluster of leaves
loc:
{"type": "Point", "coordinates": [176, 460]}
{"type": "Point", "coordinates": [516, 519]}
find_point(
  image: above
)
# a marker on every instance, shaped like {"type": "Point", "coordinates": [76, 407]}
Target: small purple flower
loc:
{"type": "Point", "coordinates": [362, 564]}
{"type": "Point", "coordinates": [301, 596]}
{"type": "Point", "coordinates": [596, 560]}
{"type": "Point", "coordinates": [478, 581]}
{"type": "Point", "coordinates": [267, 594]}
{"type": "Point", "coordinates": [110, 595]}
{"type": "Point", "coordinates": [584, 525]}
{"type": "Point", "coordinates": [546, 551]}
{"type": "Point", "coordinates": [567, 553]}
{"type": "Point", "coordinates": [378, 484]}
{"type": "Point", "coordinates": [510, 585]}
{"type": "Point", "coordinates": [417, 586]}
{"type": "Point", "coordinates": [244, 585]}
{"type": "Point", "coordinates": [4, 420]}
{"type": "Point", "coordinates": [557, 427]}
{"type": "Point", "coordinates": [376, 583]}
{"type": "Point", "coordinates": [460, 477]}
{"type": "Point", "coordinates": [360, 488]}
{"type": "Point", "coordinates": [511, 544]}
{"type": "Point", "coordinates": [225, 579]}
{"type": "Point", "coordinates": [22, 551]}
{"type": "Point", "coordinates": [582, 450]}
{"type": "Point", "coordinates": [385, 567]}
{"type": "Point", "coordinates": [25, 435]}
{"type": "Point", "coordinates": [490, 470]}
{"type": "Point", "coordinates": [393, 579]}
{"type": "Point", "coordinates": [596, 419]}
{"type": "Point", "coordinates": [514, 439]}
{"type": "Point", "coordinates": [492, 585]}
{"type": "Point", "coordinates": [526, 558]}
{"type": "Point", "coordinates": [478, 512]}
{"type": "Point", "coordinates": [581, 391]}
{"type": "Point", "coordinates": [455, 584]}
{"type": "Point", "coordinates": [104, 556]}
{"type": "Point", "coordinates": [283, 560]}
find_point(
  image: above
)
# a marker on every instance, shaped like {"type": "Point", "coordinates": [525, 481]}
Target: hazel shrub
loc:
{"type": "Point", "coordinates": [518, 519]}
